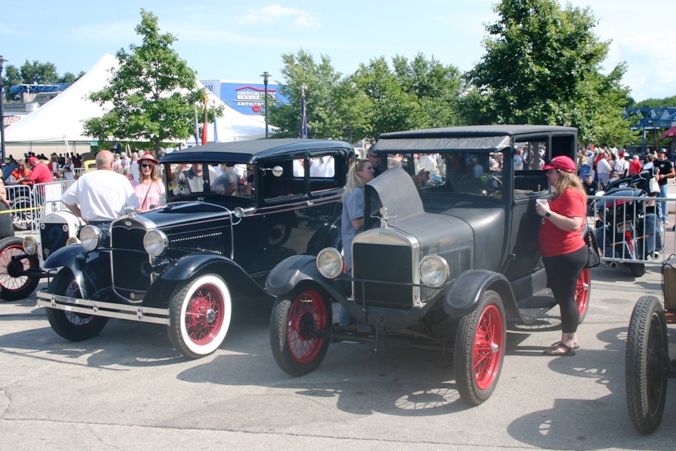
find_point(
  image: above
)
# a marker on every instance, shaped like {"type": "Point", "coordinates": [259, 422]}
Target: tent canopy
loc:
{"type": "Point", "coordinates": [671, 133]}
{"type": "Point", "coordinates": [61, 119]}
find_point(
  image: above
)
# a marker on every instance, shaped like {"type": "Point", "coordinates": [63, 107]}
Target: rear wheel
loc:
{"type": "Point", "coordinates": [23, 213]}
{"type": "Point", "coordinates": [637, 269]}
{"type": "Point", "coordinates": [646, 364]}
{"type": "Point", "coordinates": [298, 331]}
{"type": "Point", "coordinates": [70, 325]}
{"type": "Point", "coordinates": [582, 293]}
{"type": "Point", "coordinates": [200, 316]}
{"type": "Point", "coordinates": [479, 349]}
{"type": "Point", "coordinates": [14, 285]}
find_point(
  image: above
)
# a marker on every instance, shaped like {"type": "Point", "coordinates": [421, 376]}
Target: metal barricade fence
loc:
{"type": "Point", "coordinates": [29, 203]}
{"type": "Point", "coordinates": [628, 229]}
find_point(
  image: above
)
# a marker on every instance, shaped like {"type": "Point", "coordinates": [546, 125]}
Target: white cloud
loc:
{"type": "Point", "coordinates": [274, 13]}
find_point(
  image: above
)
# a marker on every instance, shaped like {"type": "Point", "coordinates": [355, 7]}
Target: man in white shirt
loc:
{"type": "Point", "coordinates": [102, 195]}
{"type": "Point", "coordinates": [603, 169]}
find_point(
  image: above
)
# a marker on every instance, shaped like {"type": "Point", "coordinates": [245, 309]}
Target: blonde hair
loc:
{"type": "Point", "coordinates": [568, 180]}
{"type": "Point", "coordinates": [353, 180]}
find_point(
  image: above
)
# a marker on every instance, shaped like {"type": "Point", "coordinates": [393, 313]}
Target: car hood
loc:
{"type": "Point", "coordinates": [396, 192]}
{"type": "Point", "coordinates": [189, 213]}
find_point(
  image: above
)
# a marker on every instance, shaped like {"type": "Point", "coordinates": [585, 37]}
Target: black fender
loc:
{"type": "Point", "coordinates": [464, 294]}
{"type": "Point", "coordinates": [328, 235]}
{"type": "Point", "coordinates": [91, 270]}
{"type": "Point", "coordinates": [292, 271]}
{"type": "Point", "coordinates": [233, 274]}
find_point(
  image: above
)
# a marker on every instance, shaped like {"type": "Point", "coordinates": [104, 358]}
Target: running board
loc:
{"type": "Point", "coordinates": [536, 306]}
{"type": "Point", "coordinates": [105, 309]}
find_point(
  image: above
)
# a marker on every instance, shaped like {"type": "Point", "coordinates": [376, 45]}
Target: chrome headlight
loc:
{"type": "Point", "coordinates": [29, 245]}
{"type": "Point", "coordinates": [90, 236]}
{"type": "Point", "coordinates": [155, 242]}
{"type": "Point", "coordinates": [330, 263]}
{"type": "Point", "coordinates": [434, 271]}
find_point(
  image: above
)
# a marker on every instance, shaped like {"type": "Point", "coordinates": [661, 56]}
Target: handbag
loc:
{"type": "Point", "coordinates": [593, 257]}
{"type": "Point", "coordinates": [653, 186]}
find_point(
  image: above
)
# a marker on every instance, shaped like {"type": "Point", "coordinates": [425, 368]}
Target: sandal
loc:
{"type": "Point", "coordinates": [558, 344]}
{"type": "Point", "coordinates": [560, 350]}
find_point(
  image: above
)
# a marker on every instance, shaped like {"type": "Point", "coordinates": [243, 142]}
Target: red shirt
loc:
{"type": "Point", "coordinates": [635, 167]}
{"type": "Point", "coordinates": [41, 174]}
{"type": "Point", "coordinates": [554, 241]}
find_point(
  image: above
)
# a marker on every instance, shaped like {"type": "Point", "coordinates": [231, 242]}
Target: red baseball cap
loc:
{"type": "Point", "coordinates": [562, 163]}
{"type": "Point", "coordinates": [32, 160]}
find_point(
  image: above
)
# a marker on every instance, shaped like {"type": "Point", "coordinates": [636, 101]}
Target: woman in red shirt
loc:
{"type": "Point", "coordinates": [562, 247]}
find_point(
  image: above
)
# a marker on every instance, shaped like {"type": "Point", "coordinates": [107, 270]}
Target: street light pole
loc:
{"type": "Point", "coordinates": [2, 115]}
{"type": "Point", "coordinates": [265, 76]}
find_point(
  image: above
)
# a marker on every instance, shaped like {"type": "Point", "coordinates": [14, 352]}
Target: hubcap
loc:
{"type": "Point", "coordinates": [211, 315]}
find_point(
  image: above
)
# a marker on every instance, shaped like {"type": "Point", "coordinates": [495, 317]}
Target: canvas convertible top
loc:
{"type": "Point", "coordinates": [479, 138]}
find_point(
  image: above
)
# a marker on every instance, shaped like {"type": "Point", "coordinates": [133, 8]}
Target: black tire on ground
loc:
{"type": "Point", "coordinates": [70, 325]}
{"type": "Point", "coordinates": [637, 269]}
{"type": "Point", "coordinates": [14, 286]}
{"type": "Point", "coordinates": [646, 359]}
{"type": "Point", "coordinates": [480, 349]}
{"type": "Point", "coordinates": [299, 327]}
{"type": "Point", "coordinates": [200, 314]}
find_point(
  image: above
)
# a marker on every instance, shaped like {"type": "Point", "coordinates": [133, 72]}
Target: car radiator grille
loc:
{"type": "Point", "coordinates": [386, 271]}
{"type": "Point", "coordinates": [127, 256]}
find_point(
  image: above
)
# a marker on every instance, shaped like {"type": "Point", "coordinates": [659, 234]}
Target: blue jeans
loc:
{"type": "Point", "coordinates": [662, 209]}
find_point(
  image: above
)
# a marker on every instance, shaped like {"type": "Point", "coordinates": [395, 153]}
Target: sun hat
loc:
{"type": "Point", "coordinates": [147, 156]}
{"type": "Point", "coordinates": [562, 163]}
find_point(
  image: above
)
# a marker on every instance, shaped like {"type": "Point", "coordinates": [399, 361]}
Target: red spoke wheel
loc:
{"type": "Point", "coordinates": [200, 316]}
{"type": "Point", "coordinates": [299, 329]}
{"type": "Point", "coordinates": [582, 293]}
{"type": "Point", "coordinates": [479, 349]}
{"type": "Point", "coordinates": [14, 284]}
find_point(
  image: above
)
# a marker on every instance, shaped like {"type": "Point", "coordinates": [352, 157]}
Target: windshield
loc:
{"type": "Point", "coordinates": [461, 172]}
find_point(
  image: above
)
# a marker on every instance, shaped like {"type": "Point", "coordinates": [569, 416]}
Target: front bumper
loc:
{"type": "Point", "coordinates": [105, 309]}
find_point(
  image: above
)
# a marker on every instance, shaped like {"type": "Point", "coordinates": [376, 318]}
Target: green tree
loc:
{"type": "Point", "coordinates": [542, 66]}
{"type": "Point", "coordinates": [153, 93]}
{"type": "Point", "coordinates": [391, 107]}
{"type": "Point", "coordinates": [656, 103]}
{"type": "Point", "coordinates": [11, 76]}
{"type": "Point", "coordinates": [321, 84]}
{"type": "Point", "coordinates": [38, 73]}
{"type": "Point", "coordinates": [436, 87]}
{"type": "Point", "coordinates": [70, 77]}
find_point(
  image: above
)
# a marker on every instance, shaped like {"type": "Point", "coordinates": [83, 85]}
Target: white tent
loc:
{"type": "Point", "coordinates": [61, 118]}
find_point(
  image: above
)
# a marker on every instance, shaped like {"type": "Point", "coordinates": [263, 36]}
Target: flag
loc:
{"type": "Point", "coordinates": [215, 129]}
{"type": "Point", "coordinates": [197, 130]}
{"type": "Point", "coordinates": [303, 116]}
{"type": "Point", "coordinates": [204, 126]}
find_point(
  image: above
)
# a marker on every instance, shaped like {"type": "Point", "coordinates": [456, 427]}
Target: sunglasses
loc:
{"type": "Point", "coordinates": [145, 165]}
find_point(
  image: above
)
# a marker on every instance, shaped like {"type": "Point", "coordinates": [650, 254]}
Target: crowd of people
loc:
{"type": "Point", "coordinates": [601, 166]}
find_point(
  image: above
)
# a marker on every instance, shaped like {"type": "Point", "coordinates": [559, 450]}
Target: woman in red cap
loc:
{"type": "Point", "coordinates": [563, 249]}
{"type": "Point", "coordinates": [150, 188]}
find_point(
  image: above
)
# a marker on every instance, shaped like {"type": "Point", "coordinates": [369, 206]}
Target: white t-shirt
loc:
{"type": "Point", "coordinates": [101, 195]}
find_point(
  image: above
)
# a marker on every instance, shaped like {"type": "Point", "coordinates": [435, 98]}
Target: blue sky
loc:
{"type": "Point", "coordinates": [238, 40]}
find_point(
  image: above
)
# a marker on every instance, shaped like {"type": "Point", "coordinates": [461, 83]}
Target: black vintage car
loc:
{"type": "Point", "coordinates": [220, 233]}
{"type": "Point", "coordinates": [444, 264]}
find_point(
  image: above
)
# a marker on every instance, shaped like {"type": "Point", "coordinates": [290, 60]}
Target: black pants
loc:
{"type": "Point", "coordinates": [562, 274]}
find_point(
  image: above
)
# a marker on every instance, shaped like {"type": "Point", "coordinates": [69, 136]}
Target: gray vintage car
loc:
{"type": "Point", "coordinates": [444, 264]}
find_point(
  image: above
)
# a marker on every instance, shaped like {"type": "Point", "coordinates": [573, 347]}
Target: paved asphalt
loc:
{"type": "Point", "coordinates": [127, 389]}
